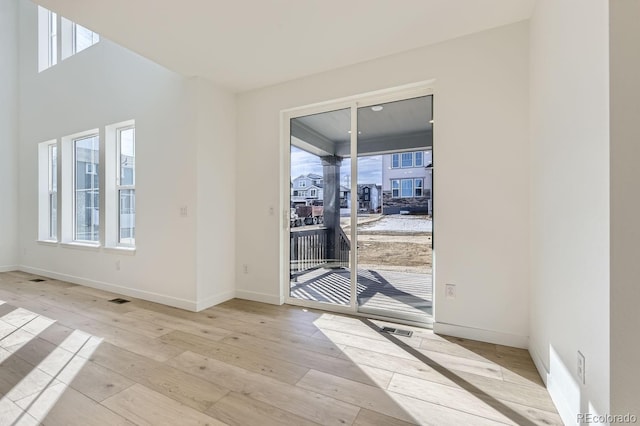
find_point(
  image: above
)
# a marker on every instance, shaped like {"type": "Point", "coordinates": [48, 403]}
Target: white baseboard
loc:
{"type": "Point", "coordinates": [8, 268]}
{"type": "Point", "coordinates": [215, 300]}
{"type": "Point", "coordinates": [482, 335]}
{"type": "Point", "coordinates": [259, 297]}
{"type": "Point", "coordinates": [114, 288]}
{"type": "Point", "coordinates": [537, 361]}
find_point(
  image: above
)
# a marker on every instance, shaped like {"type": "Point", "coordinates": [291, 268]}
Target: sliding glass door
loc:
{"type": "Point", "coordinates": [359, 233]}
{"type": "Point", "coordinates": [320, 208]}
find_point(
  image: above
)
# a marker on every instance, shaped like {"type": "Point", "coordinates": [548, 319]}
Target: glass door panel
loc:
{"type": "Point", "coordinates": [394, 211]}
{"type": "Point", "coordinates": [320, 208]}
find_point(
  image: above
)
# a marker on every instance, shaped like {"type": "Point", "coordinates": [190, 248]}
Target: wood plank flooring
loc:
{"type": "Point", "coordinates": [69, 357]}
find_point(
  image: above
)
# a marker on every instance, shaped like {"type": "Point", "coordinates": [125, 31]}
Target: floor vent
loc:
{"type": "Point", "coordinates": [396, 331]}
{"type": "Point", "coordinates": [37, 280]}
{"type": "Point", "coordinates": [119, 301]}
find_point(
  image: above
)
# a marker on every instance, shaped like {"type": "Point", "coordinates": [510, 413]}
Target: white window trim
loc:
{"type": "Point", "coordinates": [57, 38]}
{"type": "Point", "coordinates": [396, 189]}
{"type": "Point", "coordinates": [402, 166]}
{"type": "Point", "coordinates": [66, 189]}
{"type": "Point", "coordinates": [416, 187]}
{"type": "Point", "coordinates": [119, 186]}
{"type": "Point", "coordinates": [111, 192]}
{"type": "Point", "coordinates": [415, 159]}
{"type": "Point", "coordinates": [45, 192]}
{"type": "Point", "coordinates": [395, 155]}
{"type": "Point", "coordinates": [412, 188]}
{"type": "Point", "coordinates": [74, 191]}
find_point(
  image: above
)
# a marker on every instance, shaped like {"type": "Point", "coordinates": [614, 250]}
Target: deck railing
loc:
{"type": "Point", "coordinates": [310, 250]}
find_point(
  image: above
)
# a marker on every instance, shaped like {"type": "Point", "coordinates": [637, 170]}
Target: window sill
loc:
{"type": "Point", "coordinates": [81, 246]}
{"type": "Point", "coordinates": [51, 243]}
{"type": "Point", "coordinates": [130, 251]}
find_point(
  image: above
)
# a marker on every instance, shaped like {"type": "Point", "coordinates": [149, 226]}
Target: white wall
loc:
{"type": "Point", "coordinates": [216, 193]}
{"type": "Point", "coordinates": [625, 205]}
{"type": "Point", "coordinates": [8, 134]}
{"type": "Point", "coordinates": [481, 175]}
{"type": "Point", "coordinates": [570, 201]}
{"type": "Point", "coordinates": [107, 84]}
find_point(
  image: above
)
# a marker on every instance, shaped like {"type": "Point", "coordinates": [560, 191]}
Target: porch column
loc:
{"type": "Point", "coordinates": [331, 203]}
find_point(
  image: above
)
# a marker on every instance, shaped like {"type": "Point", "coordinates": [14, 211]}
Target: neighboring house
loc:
{"type": "Point", "coordinates": [407, 182]}
{"type": "Point", "coordinates": [345, 197]}
{"type": "Point", "coordinates": [369, 197]}
{"type": "Point", "coordinates": [307, 188]}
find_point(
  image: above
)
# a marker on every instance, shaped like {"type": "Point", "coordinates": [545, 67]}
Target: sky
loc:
{"type": "Point", "coordinates": [369, 168]}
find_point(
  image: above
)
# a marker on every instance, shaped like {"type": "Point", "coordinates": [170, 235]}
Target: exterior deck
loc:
{"type": "Point", "coordinates": [393, 293]}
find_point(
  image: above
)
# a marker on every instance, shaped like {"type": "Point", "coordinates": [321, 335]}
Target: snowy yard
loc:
{"type": "Point", "coordinates": [400, 223]}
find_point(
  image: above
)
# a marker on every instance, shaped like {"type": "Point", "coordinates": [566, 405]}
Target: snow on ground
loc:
{"type": "Point", "coordinates": [400, 223]}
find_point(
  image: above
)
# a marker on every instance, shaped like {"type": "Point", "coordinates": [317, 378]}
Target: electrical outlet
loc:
{"type": "Point", "coordinates": [117, 265]}
{"type": "Point", "coordinates": [184, 211]}
{"type": "Point", "coordinates": [272, 211]}
{"type": "Point", "coordinates": [581, 368]}
{"type": "Point", "coordinates": [245, 268]}
{"type": "Point", "coordinates": [450, 291]}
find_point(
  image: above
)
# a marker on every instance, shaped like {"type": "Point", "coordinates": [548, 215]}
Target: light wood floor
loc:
{"type": "Point", "coordinates": [69, 357]}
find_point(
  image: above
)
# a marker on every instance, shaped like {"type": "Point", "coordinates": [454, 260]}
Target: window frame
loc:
{"type": "Point", "coordinates": [402, 158]}
{"type": "Point", "coordinates": [48, 191]}
{"type": "Point", "coordinates": [119, 187]}
{"type": "Point", "coordinates": [52, 191]}
{"type": "Point", "coordinates": [395, 161]}
{"type": "Point", "coordinates": [415, 159]}
{"type": "Point", "coordinates": [417, 187]}
{"type": "Point", "coordinates": [74, 189]}
{"type": "Point", "coordinates": [395, 190]}
{"type": "Point", "coordinates": [74, 38]}
{"type": "Point", "coordinates": [402, 188]}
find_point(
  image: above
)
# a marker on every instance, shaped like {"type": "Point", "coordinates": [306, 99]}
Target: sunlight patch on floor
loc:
{"type": "Point", "coordinates": [35, 394]}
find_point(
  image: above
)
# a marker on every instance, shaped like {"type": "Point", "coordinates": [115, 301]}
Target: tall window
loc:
{"type": "Point", "coordinates": [47, 38]}
{"type": "Point", "coordinates": [418, 187]}
{"type": "Point", "coordinates": [86, 190]}
{"type": "Point", "coordinates": [407, 159]}
{"type": "Point", "coordinates": [406, 188]}
{"type": "Point", "coordinates": [418, 159]}
{"type": "Point", "coordinates": [52, 196]}
{"type": "Point", "coordinates": [125, 185]}
{"type": "Point", "coordinates": [48, 191]}
{"type": "Point", "coordinates": [395, 188]}
{"type": "Point", "coordinates": [395, 161]}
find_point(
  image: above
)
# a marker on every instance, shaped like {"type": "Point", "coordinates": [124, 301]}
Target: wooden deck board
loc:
{"type": "Point", "coordinates": [378, 290]}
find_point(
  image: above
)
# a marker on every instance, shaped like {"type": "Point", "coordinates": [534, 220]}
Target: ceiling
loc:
{"type": "Point", "coordinates": [393, 126]}
{"type": "Point", "coordinates": [247, 44]}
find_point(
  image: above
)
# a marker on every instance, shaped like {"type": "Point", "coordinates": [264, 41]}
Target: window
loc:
{"type": "Point", "coordinates": [407, 188]}
{"type": "Point", "coordinates": [86, 189]}
{"type": "Point", "coordinates": [395, 188]}
{"type": "Point", "coordinates": [47, 38]}
{"type": "Point", "coordinates": [418, 186]}
{"type": "Point", "coordinates": [407, 159]}
{"type": "Point", "coordinates": [395, 161]}
{"type": "Point", "coordinates": [60, 38]}
{"type": "Point", "coordinates": [48, 191]}
{"type": "Point", "coordinates": [313, 192]}
{"type": "Point", "coordinates": [53, 191]}
{"type": "Point", "coordinates": [302, 184]}
{"type": "Point", "coordinates": [125, 185]}
{"type": "Point", "coordinates": [418, 159]}
{"type": "Point", "coordinates": [82, 38]}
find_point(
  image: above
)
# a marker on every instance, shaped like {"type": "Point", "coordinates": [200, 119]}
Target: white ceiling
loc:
{"type": "Point", "coordinates": [246, 44]}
